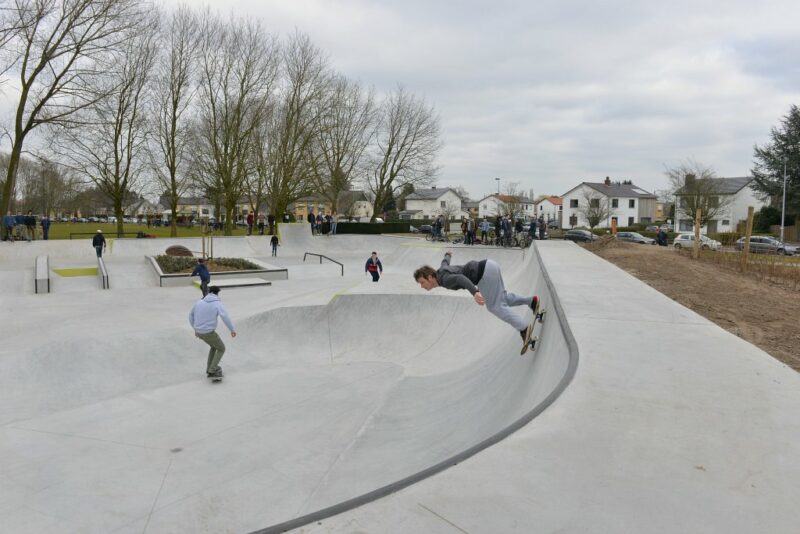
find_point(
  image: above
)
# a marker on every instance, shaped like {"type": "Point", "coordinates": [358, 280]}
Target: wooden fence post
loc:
{"type": "Point", "coordinates": [696, 247]}
{"type": "Point", "coordinates": [748, 232]}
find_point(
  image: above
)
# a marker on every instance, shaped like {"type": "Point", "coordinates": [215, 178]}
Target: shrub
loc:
{"type": "Point", "coordinates": [177, 264]}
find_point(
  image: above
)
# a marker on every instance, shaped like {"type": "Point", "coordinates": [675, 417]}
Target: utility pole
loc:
{"type": "Point", "coordinates": [783, 209]}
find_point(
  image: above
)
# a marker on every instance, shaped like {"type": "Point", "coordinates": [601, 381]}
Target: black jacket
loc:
{"type": "Point", "coordinates": [98, 240]}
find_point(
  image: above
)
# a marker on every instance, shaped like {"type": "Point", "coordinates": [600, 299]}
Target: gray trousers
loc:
{"type": "Point", "coordinates": [215, 353]}
{"type": "Point", "coordinates": [498, 300]}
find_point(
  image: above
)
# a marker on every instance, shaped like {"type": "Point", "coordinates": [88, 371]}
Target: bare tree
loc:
{"type": "Point", "coordinates": [595, 208]}
{"type": "Point", "coordinates": [59, 49]}
{"type": "Point", "coordinates": [696, 186]}
{"type": "Point", "coordinates": [109, 140]}
{"type": "Point", "coordinates": [173, 93]}
{"type": "Point", "coordinates": [45, 187]}
{"type": "Point", "coordinates": [345, 129]}
{"type": "Point", "coordinates": [294, 122]}
{"type": "Point", "coordinates": [408, 140]}
{"type": "Point", "coordinates": [510, 203]}
{"type": "Point", "coordinates": [237, 67]}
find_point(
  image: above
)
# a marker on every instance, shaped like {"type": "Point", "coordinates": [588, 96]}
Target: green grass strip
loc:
{"type": "Point", "coordinates": [77, 271]}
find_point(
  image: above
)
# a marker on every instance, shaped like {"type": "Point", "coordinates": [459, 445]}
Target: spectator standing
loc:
{"type": "Point", "coordinates": [541, 228]}
{"type": "Point", "coordinates": [274, 243]}
{"type": "Point", "coordinates": [484, 231]}
{"type": "Point", "coordinates": [19, 225]}
{"type": "Point", "coordinates": [260, 224]}
{"type": "Point", "coordinates": [30, 225]}
{"type": "Point", "coordinates": [8, 224]}
{"type": "Point", "coordinates": [250, 223]}
{"type": "Point", "coordinates": [45, 227]}
{"type": "Point", "coordinates": [334, 222]}
{"type": "Point", "coordinates": [320, 220]}
{"type": "Point", "coordinates": [312, 221]}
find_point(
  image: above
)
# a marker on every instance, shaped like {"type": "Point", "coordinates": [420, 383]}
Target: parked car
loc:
{"type": "Point", "coordinates": [652, 228]}
{"type": "Point", "coordinates": [767, 245]}
{"type": "Point", "coordinates": [554, 225]}
{"type": "Point", "coordinates": [667, 227]}
{"type": "Point", "coordinates": [635, 237]}
{"type": "Point", "coordinates": [580, 236]}
{"type": "Point", "coordinates": [687, 240]}
{"type": "Point", "coordinates": [425, 228]}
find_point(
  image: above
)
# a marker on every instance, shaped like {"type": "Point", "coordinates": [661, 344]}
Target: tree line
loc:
{"type": "Point", "coordinates": [130, 99]}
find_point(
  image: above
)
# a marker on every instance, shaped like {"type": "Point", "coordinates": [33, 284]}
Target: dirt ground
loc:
{"type": "Point", "coordinates": [760, 312]}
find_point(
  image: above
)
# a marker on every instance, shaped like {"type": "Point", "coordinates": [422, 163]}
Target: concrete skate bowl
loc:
{"type": "Point", "coordinates": [453, 384]}
{"type": "Point", "coordinates": [323, 408]}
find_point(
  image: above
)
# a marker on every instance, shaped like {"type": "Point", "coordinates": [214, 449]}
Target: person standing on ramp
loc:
{"type": "Point", "coordinates": [201, 270]}
{"type": "Point", "coordinates": [203, 319]}
{"type": "Point", "coordinates": [485, 282]}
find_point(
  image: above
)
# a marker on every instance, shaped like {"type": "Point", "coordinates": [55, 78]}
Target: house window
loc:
{"type": "Point", "coordinates": [484, 207]}
{"type": "Point", "coordinates": [443, 204]}
{"type": "Point", "coordinates": [686, 225]}
{"type": "Point", "coordinates": [632, 203]}
{"type": "Point", "coordinates": [561, 208]}
{"type": "Point", "coordinates": [614, 202]}
{"type": "Point", "coordinates": [573, 203]}
{"type": "Point", "coordinates": [573, 219]}
{"type": "Point", "coordinates": [630, 220]}
{"type": "Point", "coordinates": [594, 202]}
{"type": "Point", "coordinates": [726, 222]}
{"type": "Point", "coordinates": [684, 203]}
{"type": "Point", "coordinates": [713, 202]}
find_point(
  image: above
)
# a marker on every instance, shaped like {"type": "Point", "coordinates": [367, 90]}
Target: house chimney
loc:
{"type": "Point", "coordinates": [608, 181]}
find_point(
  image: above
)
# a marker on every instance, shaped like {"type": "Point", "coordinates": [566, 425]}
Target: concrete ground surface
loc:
{"type": "Point", "coordinates": [337, 387]}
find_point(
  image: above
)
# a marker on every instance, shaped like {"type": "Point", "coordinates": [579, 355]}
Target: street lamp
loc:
{"type": "Point", "coordinates": [498, 185]}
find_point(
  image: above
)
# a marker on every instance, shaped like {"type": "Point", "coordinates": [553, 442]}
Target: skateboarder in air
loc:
{"type": "Point", "coordinates": [203, 319]}
{"type": "Point", "coordinates": [485, 282]}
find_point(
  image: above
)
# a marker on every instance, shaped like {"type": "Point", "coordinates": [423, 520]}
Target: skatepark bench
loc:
{"type": "Point", "coordinates": [326, 257]}
{"type": "Point", "coordinates": [102, 272]}
{"type": "Point", "coordinates": [41, 274]}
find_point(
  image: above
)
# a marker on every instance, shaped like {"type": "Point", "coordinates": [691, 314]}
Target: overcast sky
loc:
{"type": "Point", "coordinates": [551, 93]}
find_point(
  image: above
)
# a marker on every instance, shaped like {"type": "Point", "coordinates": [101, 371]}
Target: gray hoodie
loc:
{"type": "Point", "coordinates": [203, 316]}
{"type": "Point", "coordinates": [460, 276]}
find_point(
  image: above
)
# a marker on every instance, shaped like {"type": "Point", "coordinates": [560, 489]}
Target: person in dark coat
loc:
{"type": "Point", "coordinates": [8, 223]}
{"type": "Point", "coordinates": [312, 221]}
{"type": "Point", "coordinates": [45, 227]}
{"type": "Point", "coordinates": [374, 267]}
{"type": "Point", "coordinates": [274, 243]}
{"type": "Point", "coordinates": [201, 270]}
{"type": "Point", "coordinates": [541, 228]}
{"type": "Point", "coordinates": [30, 225]}
{"type": "Point", "coordinates": [99, 243]}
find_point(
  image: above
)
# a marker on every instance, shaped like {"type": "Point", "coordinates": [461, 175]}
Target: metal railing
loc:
{"type": "Point", "coordinates": [102, 272]}
{"type": "Point", "coordinates": [113, 234]}
{"type": "Point", "coordinates": [320, 256]}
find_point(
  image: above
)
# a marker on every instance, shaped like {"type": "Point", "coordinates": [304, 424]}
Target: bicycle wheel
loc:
{"type": "Point", "coordinates": [429, 236]}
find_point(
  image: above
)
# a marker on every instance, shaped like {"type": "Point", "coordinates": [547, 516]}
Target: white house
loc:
{"type": "Point", "coordinates": [549, 208]}
{"type": "Point", "coordinates": [736, 195]}
{"type": "Point", "coordinates": [490, 206]}
{"type": "Point", "coordinates": [429, 203]}
{"type": "Point", "coordinates": [628, 203]}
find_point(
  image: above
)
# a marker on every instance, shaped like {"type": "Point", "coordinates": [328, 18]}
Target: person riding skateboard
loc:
{"type": "Point", "coordinates": [201, 270]}
{"type": "Point", "coordinates": [203, 319]}
{"type": "Point", "coordinates": [374, 267]}
{"type": "Point", "coordinates": [484, 281]}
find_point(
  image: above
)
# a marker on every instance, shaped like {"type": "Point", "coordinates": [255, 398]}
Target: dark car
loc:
{"type": "Point", "coordinates": [580, 236]}
{"type": "Point", "coordinates": [554, 225]}
{"type": "Point", "coordinates": [635, 237]}
{"type": "Point", "coordinates": [425, 228]}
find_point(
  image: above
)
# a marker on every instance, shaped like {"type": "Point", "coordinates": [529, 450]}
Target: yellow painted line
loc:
{"type": "Point", "coordinates": [76, 271]}
{"type": "Point", "coordinates": [342, 292]}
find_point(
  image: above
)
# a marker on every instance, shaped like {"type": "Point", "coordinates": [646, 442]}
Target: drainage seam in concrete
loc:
{"type": "Point", "coordinates": [403, 483]}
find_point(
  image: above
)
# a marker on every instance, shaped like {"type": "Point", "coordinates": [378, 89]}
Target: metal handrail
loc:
{"type": "Point", "coordinates": [326, 257]}
{"type": "Point", "coordinates": [103, 273]}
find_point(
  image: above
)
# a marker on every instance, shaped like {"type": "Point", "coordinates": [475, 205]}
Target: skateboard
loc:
{"type": "Point", "coordinates": [216, 378]}
{"type": "Point", "coordinates": [530, 343]}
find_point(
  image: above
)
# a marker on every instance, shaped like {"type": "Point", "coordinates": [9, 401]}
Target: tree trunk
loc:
{"type": "Point", "coordinates": [173, 205]}
{"type": "Point", "coordinates": [11, 177]}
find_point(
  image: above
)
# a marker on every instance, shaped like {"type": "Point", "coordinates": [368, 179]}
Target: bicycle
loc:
{"type": "Point", "coordinates": [436, 236]}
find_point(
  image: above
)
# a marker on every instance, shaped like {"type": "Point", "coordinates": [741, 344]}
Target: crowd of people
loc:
{"type": "Point", "coordinates": [21, 227]}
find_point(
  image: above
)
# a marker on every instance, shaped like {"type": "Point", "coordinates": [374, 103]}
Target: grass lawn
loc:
{"type": "Point", "coordinates": [63, 230]}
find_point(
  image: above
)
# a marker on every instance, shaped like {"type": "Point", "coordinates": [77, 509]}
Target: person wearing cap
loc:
{"type": "Point", "coordinates": [203, 319]}
{"type": "Point", "coordinates": [201, 270]}
{"type": "Point", "coordinates": [99, 243]}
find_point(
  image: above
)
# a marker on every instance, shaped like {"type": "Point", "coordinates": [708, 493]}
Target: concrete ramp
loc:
{"type": "Point", "coordinates": [320, 405]}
